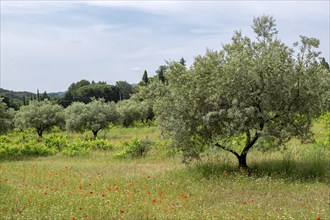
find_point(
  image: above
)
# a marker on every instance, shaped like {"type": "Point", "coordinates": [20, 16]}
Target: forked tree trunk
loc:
{"type": "Point", "coordinates": [242, 164]}
{"type": "Point", "coordinates": [242, 161]}
{"type": "Point", "coordinates": [95, 134]}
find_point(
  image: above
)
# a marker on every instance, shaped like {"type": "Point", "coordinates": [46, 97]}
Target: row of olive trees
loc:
{"type": "Point", "coordinates": [79, 116]}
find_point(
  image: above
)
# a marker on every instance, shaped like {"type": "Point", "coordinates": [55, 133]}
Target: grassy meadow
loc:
{"type": "Point", "coordinates": [291, 183]}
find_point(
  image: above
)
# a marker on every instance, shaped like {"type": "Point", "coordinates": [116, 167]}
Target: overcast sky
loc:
{"type": "Point", "coordinates": [49, 45]}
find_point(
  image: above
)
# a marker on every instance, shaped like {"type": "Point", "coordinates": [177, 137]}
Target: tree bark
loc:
{"type": "Point", "coordinates": [242, 161]}
{"type": "Point", "coordinates": [95, 134]}
{"type": "Point", "coordinates": [40, 132]}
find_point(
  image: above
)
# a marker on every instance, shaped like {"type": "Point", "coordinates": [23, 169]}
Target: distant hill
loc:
{"type": "Point", "coordinates": [15, 99]}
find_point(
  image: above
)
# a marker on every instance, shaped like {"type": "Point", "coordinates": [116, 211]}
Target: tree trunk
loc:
{"type": "Point", "coordinates": [242, 161]}
{"type": "Point", "coordinates": [95, 134]}
{"type": "Point", "coordinates": [40, 132]}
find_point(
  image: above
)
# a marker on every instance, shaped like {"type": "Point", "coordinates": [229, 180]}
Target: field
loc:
{"type": "Point", "coordinates": [291, 183]}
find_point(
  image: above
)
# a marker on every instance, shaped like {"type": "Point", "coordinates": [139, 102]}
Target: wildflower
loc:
{"type": "Point", "coordinates": [149, 193]}
{"type": "Point", "coordinates": [29, 200]}
{"type": "Point", "coordinates": [154, 200]}
{"type": "Point", "coordinates": [103, 195]}
{"type": "Point", "coordinates": [149, 177]}
{"type": "Point", "coordinates": [122, 211]}
{"type": "Point", "coordinates": [252, 200]}
{"type": "Point", "coordinates": [80, 187]}
{"type": "Point", "coordinates": [318, 218]}
{"type": "Point", "coordinates": [73, 218]}
{"type": "Point", "coordinates": [91, 192]}
{"type": "Point", "coordinates": [244, 203]}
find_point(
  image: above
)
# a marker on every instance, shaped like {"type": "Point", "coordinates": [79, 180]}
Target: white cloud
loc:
{"type": "Point", "coordinates": [62, 42]}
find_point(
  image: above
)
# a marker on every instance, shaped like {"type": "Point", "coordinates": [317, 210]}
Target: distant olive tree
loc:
{"type": "Point", "coordinates": [131, 111]}
{"type": "Point", "coordinates": [249, 92]}
{"type": "Point", "coordinates": [39, 115]}
{"type": "Point", "coordinates": [6, 117]}
{"type": "Point", "coordinates": [93, 116]}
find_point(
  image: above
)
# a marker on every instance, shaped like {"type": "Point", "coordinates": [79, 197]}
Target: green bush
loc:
{"type": "Point", "coordinates": [34, 148]}
{"type": "Point", "coordinates": [76, 148]}
{"type": "Point", "coordinates": [56, 141]}
{"type": "Point", "coordinates": [135, 149]}
{"type": "Point", "coordinates": [100, 144]}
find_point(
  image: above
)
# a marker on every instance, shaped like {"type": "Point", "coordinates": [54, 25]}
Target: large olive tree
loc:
{"type": "Point", "coordinates": [39, 115]}
{"type": "Point", "coordinates": [93, 116]}
{"type": "Point", "coordinates": [250, 92]}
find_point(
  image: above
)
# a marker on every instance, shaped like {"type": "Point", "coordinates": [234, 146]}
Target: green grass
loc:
{"type": "Point", "coordinates": [290, 184]}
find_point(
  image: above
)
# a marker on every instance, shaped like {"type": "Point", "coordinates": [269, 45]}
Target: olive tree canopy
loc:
{"type": "Point", "coordinates": [93, 116]}
{"type": "Point", "coordinates": [39, 115]}
{"type": "Point", "coordinates": [254, 91]}
{"type": "Point", "coordinates": [6, 117]}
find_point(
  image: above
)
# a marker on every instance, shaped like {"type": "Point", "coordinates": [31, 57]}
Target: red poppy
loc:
{"type": "Point", "coordinates": [154, 200]}
{"type": "Point", "coordinates": [29, 200]}
{"type": "Point", "coordinates": [244, 203]}
{"type": "Point", "coordinates": [122, 211]}
{"type": "Point", "coordinates": [103, 195]}
{"type": "Point", "coordinates": [252, 200]}
{"type": "Point", "coordinates": [318, 218]}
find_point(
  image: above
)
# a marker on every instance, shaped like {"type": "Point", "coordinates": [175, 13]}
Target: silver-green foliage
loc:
{"type": "Point", "coordinates": [252, 89]}
{"type": "Point", "coordinates": [6, 117]}
{"type": "Point", "coordinates": [40, 116]}
{"type": "Point", "coordinates": [93, 116]}
{"type": "Point", "coordinates": [131, 111]}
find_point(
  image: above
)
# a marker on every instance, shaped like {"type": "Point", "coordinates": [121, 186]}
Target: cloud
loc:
{"type": "Point", "coordinates": [66, 41]}
{"type": "Point", "coordinates": [135, 68]}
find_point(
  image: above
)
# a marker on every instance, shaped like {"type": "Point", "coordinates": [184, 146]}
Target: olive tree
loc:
{"type": "Point", "coordinates": [6, 117]}
{"type": "Point", "coordinates": [131, 111]}
{"type": "Point", "coordinates": [250, 92]}
{"type": "Point", "coordinates": [39, 115]}
{"type": "Point", "coordinates": [93, 116]}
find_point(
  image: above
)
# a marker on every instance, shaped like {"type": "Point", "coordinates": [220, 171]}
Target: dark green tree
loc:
{"type": "Point", "coordinates": [125, 89]}
{"type": "Point", "coordinates": [161, 73]}
{"type": "Point", "coordinates": [325, 64]}
{"type": "Point", "coordinates": [182, 62]}
{"type": "Point", "coordinates": [145, 78]}
{"type": "Point", "coordinates": [44, 96]}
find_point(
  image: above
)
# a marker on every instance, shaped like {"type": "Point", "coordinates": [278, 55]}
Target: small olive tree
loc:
{"type": "Point", "coordinates": [39, 115]}
{"type": "Point", "coordinates": [131, 111]}
{"type": "Point", "coordinates": [93, 116]}
{"type": "Point", "coordinates": [6, 117]}
{"type": "Point", "coordinates": [248, 93]}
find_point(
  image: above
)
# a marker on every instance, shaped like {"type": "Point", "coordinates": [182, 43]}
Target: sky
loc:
{"type": "Point", "coordinates": [47, 45]}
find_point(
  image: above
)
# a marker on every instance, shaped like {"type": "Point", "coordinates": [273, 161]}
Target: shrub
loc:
{"type": "Point", "coordinates": [34, 148]}
{"type": "Point", "coordinates": [56, 141]}
{"type": "Point", "coordinates": [76, 148]}
{"type": "Point", "coordinates": [99, 144]}
{"type": "Point", "coordinates": [135, 149]}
